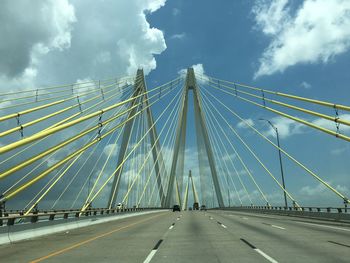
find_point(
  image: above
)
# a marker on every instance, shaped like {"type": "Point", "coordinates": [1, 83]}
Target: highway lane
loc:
{"type": "Point", "coordinates": [125, 240]}
{"type": "Point", "coordinates": [193, 236]}
{"type": "Point", "coordinates": [290, 239]}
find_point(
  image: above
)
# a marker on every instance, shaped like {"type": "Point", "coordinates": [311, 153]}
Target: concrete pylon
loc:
{"type": "Point", "coordinates": [201, 128]}
{"type": "Point", "coordinates": [139, 88]}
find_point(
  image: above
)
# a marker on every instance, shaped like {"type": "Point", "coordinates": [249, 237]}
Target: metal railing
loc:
{"type": "Point", "coordinates": [12, 217]}
{"type": "Point", "coordinates": [325, 213]}
{"type": "Point", "coordinates": [290, 208]}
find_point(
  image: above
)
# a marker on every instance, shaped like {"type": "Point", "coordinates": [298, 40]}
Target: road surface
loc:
{"type": "Point", "coordinates": [193, 236]}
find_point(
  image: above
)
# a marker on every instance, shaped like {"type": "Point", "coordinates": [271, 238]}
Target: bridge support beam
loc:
{"type": "Point", "coordinates": [140, 87]}
{"type": "Point", "coordinates": [201, 128]}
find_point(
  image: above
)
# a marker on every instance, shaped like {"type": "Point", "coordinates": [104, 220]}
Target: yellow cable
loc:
{"type": "Point", "coordinates": [58, 123]}
{"type": "Point", "coordinates": [285, 153]}
{"type": "Point", "coordinates": [161, 147]}
{"type": "Point", "coordinates": [319, 102]}
{"type": "Point", "coordinates": [310, 112]}
{"type": "Point", "coordinates": [255, 156]}
{"type": "Point", "coordinates": [112, 175]}
{"type": "Point", "coordinates": [25, 125]}
{"type": "Point", "coordinates": [17, 114]}
{"type": "Point", "coordinates": [63, 126]}
{"type": "Point", "coordinates": [330, 132]}
{"type": "Point", "coordinates": [60, 145]}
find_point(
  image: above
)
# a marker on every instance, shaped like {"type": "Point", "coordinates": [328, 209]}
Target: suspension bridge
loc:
{"type": "Point", "coordinates": [100, 163]}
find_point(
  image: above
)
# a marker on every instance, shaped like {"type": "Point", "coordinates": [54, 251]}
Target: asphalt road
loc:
{"type": "Point", "coordinates": [193, 236]}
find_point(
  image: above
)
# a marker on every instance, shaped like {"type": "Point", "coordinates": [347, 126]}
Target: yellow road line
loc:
{"type": "Point", "coordinates": [91, 239]}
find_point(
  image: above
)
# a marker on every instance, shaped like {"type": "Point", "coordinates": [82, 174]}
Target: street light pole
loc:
{"type": "Point", "coordinates": [228, 191]}
{"type": "Point", "coordinates": [280, 159]}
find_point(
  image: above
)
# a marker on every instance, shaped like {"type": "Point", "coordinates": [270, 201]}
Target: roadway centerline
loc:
{"type": "Point", "coordinates": [153, 252]}
{"type": "Point", "coordinates": [156, 247]}
{"type": "Point", "coordinates": [221, 224]}
{"type": "Point", "coordinates": [275, 226]}
{"type": "Point", "coordinates": [262, 253]}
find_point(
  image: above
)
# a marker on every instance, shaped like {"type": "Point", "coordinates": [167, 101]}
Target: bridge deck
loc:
{"type": "Point", "coordinates": [213, 236]}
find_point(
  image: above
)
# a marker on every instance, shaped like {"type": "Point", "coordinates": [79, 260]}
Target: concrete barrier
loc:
{"type": "Point", "coordinates": [339, 217]}
{"type": "Point", "coordinates": [24, 231]}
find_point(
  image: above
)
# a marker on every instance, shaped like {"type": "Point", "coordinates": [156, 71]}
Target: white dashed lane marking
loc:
{"type": "Point", "coordinates": [262, 253]}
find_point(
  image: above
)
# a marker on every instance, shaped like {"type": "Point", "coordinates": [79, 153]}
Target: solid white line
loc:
{"type": "Point", "coordinates": [150, 256]}
{"type": "Point", "coordinates": [332, 227]}
{"type": "Point", "coordinates": [171, 227]}
{"type": "Point", "coordinates": [265, 255]}
{"type": "Point", "coordinates": [279, 227]}
{"type": "Point", "coordinates": [246, 218]}
{"type": "Point", "coordinates": [223, 226]}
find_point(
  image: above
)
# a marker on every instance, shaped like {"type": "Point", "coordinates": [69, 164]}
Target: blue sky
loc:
{"type": "Point", "coordinates": [297, 47]}
{"type": "Point", "coordinates": [227, 40]}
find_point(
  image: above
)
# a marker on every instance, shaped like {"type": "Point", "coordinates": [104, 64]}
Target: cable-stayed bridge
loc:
{"type": "Point", "coordinates": [97, 151]}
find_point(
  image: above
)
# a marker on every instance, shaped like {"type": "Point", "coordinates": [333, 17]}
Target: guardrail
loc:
{"type": "Point", "coordinates": [12, 217]}
{"type": "Point", "coordinates": [308, 208]}
{"type": "Point", "coordinates": [328, 213]}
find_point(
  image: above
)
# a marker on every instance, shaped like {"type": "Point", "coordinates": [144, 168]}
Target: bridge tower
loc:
{"type": "Point", "coordinates": [140, 96]}
{"type": "Point", "coordinates": [201, 133]}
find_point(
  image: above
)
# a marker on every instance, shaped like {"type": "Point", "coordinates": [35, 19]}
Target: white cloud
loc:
{"type": "Point", "coordinates": [178, 36]}
{"type": "Point", "coordinates": [176, 11]}
{"type": "Point", "coordinates": [320, 189]}
{"type": "Point", "coordinates": [339, 151]}
{"type": "Point", "coordinates": [245, 124]}
{"type": "Point", "coordinates": [44, 26]}
{"type": "Point", "coordinates": [331, 125]}
{"type": "Point", "coordinates": [286, 127]}
{"type": "Point", "coordinates": [111, 147]}
{"type": "Point", "coordinates": [198, 69]}
{"type": "Point", "coordinates": [305, 85]}
{"type": "Point", "coordinates": [62, 41]}
{"type": "Point", "coordinates": [301, 38]}
{"type": "Point", "coordinates": [270, 16]}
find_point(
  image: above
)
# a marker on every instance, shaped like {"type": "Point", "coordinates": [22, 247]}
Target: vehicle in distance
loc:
{"type": "Point", "coordinates": [195, 206]}
{"type": "Point", "coordinates": [120, 206]}
{"type": "Point", "coordinates": [203, 208]}
{"type": "Point", "coordinates": [176, 208]}
{"type": "Point", "coordinates": [190, 208]}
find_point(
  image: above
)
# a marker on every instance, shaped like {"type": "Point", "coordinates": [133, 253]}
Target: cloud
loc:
{"type": "Point", "coordinates": [111, 147]}
{"type": "Point", "coordinates": [176, 11]}
{"type": "Point", "coordinates": [331, 125]}
{"type": "Point", "coordinates": [244, 124]}
{"type": "Point", "coordinates": [305, 85]}
{"type": "Point", "coordinates": [201, 77]}
{"type": "Point", "coordinates": [178, 36]}
{"type": "Point", "coordinates": [300, 38]}
{"type": "Point", "coordinates": [286, 127]}
{"type": "Point", "coordinates": [339, 151]}
{"type": "Point", "coordinates": [32, 30]}
{"type": "Point", "coordinates": [320, 189]}
{"type": "Point", "coordinates": [62, 41]}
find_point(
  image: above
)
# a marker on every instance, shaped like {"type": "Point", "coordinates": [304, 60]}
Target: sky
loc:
{"type": "Point", "coordinates": [296, 47]}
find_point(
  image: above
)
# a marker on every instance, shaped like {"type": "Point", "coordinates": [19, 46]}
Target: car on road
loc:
{"type": "Point", "coordinates": [120, 206]}
{"type": "Point", "coordinates": [176, 208]}
{"type": "Point", "coordinates": [203, 208]}
{"type": "Point", "coordinates": [195, 206]}
{"type": "Point", "coordinates": [190, 208]}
